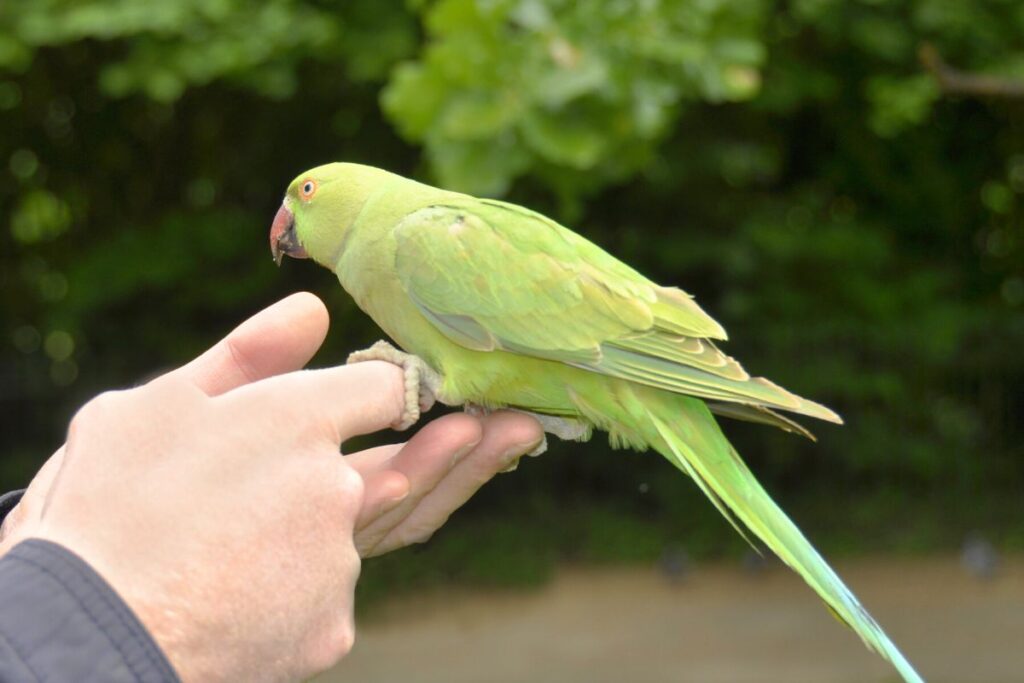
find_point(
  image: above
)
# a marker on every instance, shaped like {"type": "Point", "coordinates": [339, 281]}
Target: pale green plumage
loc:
{"type": "Point", "coordinates": [515, 310]}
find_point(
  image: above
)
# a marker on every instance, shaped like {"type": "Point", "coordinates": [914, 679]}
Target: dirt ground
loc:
{"type": "Point", "coordinates": [719, 625]}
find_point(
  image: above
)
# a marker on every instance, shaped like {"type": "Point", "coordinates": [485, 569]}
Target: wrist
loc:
{"type": "Point", "coordinates": [148, 590]}
{"type": "Point", "coordinates": [165, 602]}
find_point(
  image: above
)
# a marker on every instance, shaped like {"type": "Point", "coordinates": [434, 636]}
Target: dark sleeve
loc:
{"type": "Point", "coordinates": [8, 501]}
{"type": "Point", "coordinates": [60, 621]}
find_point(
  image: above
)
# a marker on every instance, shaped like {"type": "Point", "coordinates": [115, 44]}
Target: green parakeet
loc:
{"type": "Point", "coordinates": [499, 306]}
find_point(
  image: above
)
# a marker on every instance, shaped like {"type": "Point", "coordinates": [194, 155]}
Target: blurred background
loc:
{"type": "Point", "coordinates": [839, 182]}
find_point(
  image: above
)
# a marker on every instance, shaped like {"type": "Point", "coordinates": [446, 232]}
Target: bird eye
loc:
{"type": "Point", "coordinates": [308, 189]}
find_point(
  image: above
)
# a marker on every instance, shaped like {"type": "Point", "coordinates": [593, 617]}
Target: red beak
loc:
{"type": "Point", "coordinates": [283, 241]}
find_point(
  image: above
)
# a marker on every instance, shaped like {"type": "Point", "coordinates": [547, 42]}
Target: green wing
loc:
{"type": "Point", "coordinates": [492, 275]}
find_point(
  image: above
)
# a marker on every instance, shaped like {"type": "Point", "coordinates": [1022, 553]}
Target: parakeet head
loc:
{"type": "Point", "coordinates": [319, 208]}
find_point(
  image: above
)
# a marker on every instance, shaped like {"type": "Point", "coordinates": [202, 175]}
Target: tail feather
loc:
{"type": "Point", "coordinates": [684, 431]}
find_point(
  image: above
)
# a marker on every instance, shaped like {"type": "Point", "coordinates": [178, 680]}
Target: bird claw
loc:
{"type": "Point", "coordinates": [565, 428]}
{"type": "Point", "coordinates": [475, 409]}
{"type": "Point", "coordinates": [422, 383]}
{"type": "Point", "coordinates": [540, 448]}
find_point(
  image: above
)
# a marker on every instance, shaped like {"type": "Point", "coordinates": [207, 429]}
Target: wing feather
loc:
{"type": "Point", "coordinates": [491, 276]}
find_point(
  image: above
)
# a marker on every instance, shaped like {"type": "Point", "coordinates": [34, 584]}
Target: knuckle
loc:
{"type": "Point", "coordinates": [350, 483]}
{"type": "Point", "coordinates": [336, 642]}
{"type": "Point", "coordinates": [335, 488]}
{"type": "Point", "coordinates": [97, 408]}
{"type": "Point", "coordinates": [345, 638]}
{"type": "Point", "coordinates": [241, 360]}
{"type": "Point", "coordinates": [108, 399]}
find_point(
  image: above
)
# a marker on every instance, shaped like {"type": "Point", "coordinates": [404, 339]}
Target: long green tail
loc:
{"type": "Point", "coordinates": [683, 430]}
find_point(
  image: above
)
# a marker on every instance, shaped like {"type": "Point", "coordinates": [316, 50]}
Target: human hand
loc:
{"type": "Point", "coordinates": [226, 522]}
{"type": "Point", "coordinates": [279, 339]}
{"type": "Point", "coordinates": [442, 466]}
{"type": "Point", "coordinates": [172, 603]}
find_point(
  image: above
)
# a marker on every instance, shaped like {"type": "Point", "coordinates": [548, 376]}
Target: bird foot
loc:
{"type": "Point", "coordinates": [565, 428]}
{"type": "Point", "coordinates": [422, 382]}
{"type": "Point", "coordinates": [476, 410]}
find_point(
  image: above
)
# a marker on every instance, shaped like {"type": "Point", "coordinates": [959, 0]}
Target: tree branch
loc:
{"type": "Point", "coordinates": [952, 81]}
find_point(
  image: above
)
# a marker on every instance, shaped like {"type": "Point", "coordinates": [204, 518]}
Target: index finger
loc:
{"type": "Point", "coordinates": [332, 404]}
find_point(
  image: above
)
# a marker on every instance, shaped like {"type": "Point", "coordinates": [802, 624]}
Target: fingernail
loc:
{"type": "Point", "coordinates": [391, 502]}
{"type": "Point", "coordinates": [395, 500]}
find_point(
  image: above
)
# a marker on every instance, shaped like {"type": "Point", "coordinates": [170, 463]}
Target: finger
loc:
{"type": "Point", "coordinates": [450, 433]}
{"type": "Point", "coordinates": [332, 404]}
{"type": "Point", "coordinates": [428, 457]}
{"type": "Point", "coordinates": [507, 436]}
{"type": "Point", "coordinates": [278, 339]}
{"type": "Point", "coordinates": [382, 492]}
{"type": "Point", "coordinates": [371, 460]}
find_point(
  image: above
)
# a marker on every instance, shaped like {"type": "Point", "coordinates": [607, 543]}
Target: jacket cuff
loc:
{"type": "Point", "coordinates": [60, 621]}
{"type": "Point", "coordinates": [8, 501]}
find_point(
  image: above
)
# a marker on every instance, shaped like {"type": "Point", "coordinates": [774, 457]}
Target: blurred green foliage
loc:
{"type": "Point", "coordinates": [857, 226]}
{"type": "Point", "coordinates": [574, 93]}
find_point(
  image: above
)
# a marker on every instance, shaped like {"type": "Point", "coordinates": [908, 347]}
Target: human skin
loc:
{"type": "Point", "coordinates": [214, 500]}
